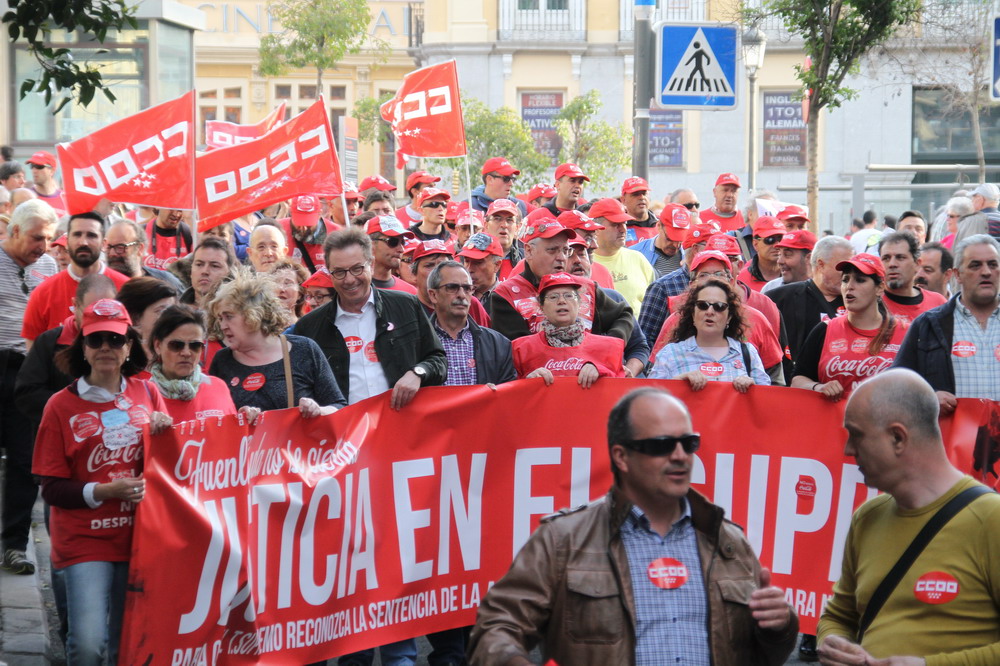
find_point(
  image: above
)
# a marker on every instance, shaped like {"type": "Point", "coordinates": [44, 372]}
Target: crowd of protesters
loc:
{"type": "Point", "coordinates": [117, 318]}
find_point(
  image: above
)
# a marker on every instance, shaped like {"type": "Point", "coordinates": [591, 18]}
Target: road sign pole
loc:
{"type": "Point", "coordinates": [643, 85]}
{"type": "Point", "coordinates": [995, 71]}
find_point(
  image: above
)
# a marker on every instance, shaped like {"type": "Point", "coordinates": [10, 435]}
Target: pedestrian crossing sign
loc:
{"type": "Point", "coordinates": [696, 66]}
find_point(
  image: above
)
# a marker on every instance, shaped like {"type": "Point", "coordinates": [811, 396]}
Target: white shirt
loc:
{"type": "Point", "coordinates": [358, 329]}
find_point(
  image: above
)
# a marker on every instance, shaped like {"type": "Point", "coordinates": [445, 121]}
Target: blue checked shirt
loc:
{"type": "Point", "coordinates": [671, 625]}
{"type": "Point", "coordinates": [680, 357]}
{"type": "Point", "coordinates": [654, 303]}
{"type": "Point", "coordinates": [978, 375]}
{"type": "Point", "coordinates": [461, 356]}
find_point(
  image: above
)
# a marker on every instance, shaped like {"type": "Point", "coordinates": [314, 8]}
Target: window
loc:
{"type": "Point", "coordinates": [943, 131]}
{"type": "Point", "coordinates": [387, 150]}
{"type": "Point", "coordinates": [307, 92]}
{"type": "Point", "coordinates": [338, 92]}
{"type": "Point", "coordinates": [220, 100]}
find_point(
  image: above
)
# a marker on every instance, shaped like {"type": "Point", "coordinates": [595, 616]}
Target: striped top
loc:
{"type": "Point", "coordinates": [14, 282]}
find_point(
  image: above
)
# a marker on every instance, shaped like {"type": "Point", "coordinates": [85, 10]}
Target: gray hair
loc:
{"type": "Point", "coordinates": [675, 193]}
{"type": "Point", "coordinates": [434, 278]}
{"type": "Point", "coordinates": [959, 205]}
{"type": "Point", "coordinates": [31, 211]}
{"type": "Point", "coordinates": [4, 195]}
{"type": "Point", "coordinates": [968, 241]}
{"type": "Point", "coordinates": [140, 233]}
{"type": "Point", "coordinates": [759, 194]}
{"type": "Point", "coordinates": [825, 247]}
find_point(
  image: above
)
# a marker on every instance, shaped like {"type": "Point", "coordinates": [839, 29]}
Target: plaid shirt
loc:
{"type": "Point", "coordinates": [978, 375]}
{"type": "Point", "coordinates": [460, 352]}
{"type": "Point", "coordinates": [671, 625]}
{"type": "Point", "coordinates": [654, 304]}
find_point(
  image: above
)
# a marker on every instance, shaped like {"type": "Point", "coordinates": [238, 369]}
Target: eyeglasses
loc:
{"type": "Point", "coordinates": [722, 275]}
{"type": "Point", "coordinates": [502, 219]}
{"type": "Point", "coordinates": [341, 273]}
{"type": "Point", "coordinates": [694, 205]}
{"type": "Point", "coordinates": [119, 248]}
{"type": "Point", "coordinates": [454, 287]}
{"type": "Point", "coordinates": [24, 285]}
{"type": "Point", "coordinates": [661, 446]}
{"type": "Point", "coordinates": [98, 340]}
{"type": "Point", "coordinates": [769, 240]}
{"type": "Point", "coordinates": [318, 297]}
{"type": "Point", "coordinates": [561, 296]}
{"type": "Point", "coordinates": [391, 241]}
{"type": "Point", "coordinates": [434, 204]}
{"type": "Point", "coordinates": [564, 251]}
{"type": "Point", "coordinates": [705, 305]}
{"type": "Point", "coordinates": [506, 179]}
{"type": "Point", "coordinates": [177, 346]}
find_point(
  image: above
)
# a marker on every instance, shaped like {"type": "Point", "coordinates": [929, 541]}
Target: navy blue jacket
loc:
{"type": "Point", "coordinates": [926, 349]}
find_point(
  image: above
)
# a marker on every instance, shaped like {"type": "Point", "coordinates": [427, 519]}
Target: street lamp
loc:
{"type": "Point", "coordinates": [754, 43]}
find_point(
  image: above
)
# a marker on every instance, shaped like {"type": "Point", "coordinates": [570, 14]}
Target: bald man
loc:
{"type": "Point", "coordinates": [946, 607]}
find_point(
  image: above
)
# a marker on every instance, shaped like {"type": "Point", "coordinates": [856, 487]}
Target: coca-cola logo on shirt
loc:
{"type": "Point", "coordinates": [85, 425]}
{"type": "Point", "coordinates": [566, 365]}
{"type": "Point", "coordinates": [860, 368]}
{"type": "Point", "coordinates": [838, 346]}
{"type": "Point", "coordinates": [859, 345]}
{"type": "Point", "coordinates": [102, 456]}
{"type": "Point", "coordinates": [963, 349]}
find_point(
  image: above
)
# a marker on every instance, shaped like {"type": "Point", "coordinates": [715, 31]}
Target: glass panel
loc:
{"type": "Point", "coordinates": [562, 5]}
{"type": "Point", "coordinates": [205, 113]}
{"type": "Point", "coordinates": [283, 91]}
{"type": "Point", "coordinates": [527, 5]}
{"type": "Point", "coordinates": [208, 94]}
{"type": "Point", "coordinates": [338, 92]}
{"type": "Point", "coordinates": [335, 116]}
{"type": "Point", "coordinates": [307, 92]}
{"type": "Point", "coordinates": [233, 93]}
{"type": "Point", "coordinates": [941, 131]}
{"type": "Point", "coordinates": [233, 114]}
{"type": "Point", "coordinates": [173, 47]}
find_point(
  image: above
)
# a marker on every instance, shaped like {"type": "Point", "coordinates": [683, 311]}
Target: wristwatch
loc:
{"type": "Point", "coordinates": [420, 371]}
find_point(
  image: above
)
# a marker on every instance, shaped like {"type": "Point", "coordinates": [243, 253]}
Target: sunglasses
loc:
{"type": "Point", "coordinates": [98, 340]}
{"type": "Point", "coordinates": [506, 179]}
{"type": "Point", "coordinates": [177, 346]}
{"type": "Point", "coordinates": [434, 204]}
{"type": "Point", "coordinates": [705, 305]}
{"type": "Point", "coordinates": [769, 240]}
{"type": "Point", "coordinates": [391, 241]}
{"type": "Point", "coordinates": [661, 446]}
{"type": "Point", "coordinates": [694, 205]}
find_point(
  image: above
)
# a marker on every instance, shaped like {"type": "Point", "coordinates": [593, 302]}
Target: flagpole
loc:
{"type": "Point", "coordinates": [468, 180]}
{"type": "Point", "coordinates": [343, 203]}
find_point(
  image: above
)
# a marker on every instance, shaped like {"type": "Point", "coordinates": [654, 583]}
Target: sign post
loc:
{"type": "Point", "coordinates": [696, 66]}
{"type": "Point", "coordinates": [995, 71]}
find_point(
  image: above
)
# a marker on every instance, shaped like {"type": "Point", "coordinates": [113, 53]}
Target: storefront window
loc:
{"type": "Point", "coordinates": [941, 131]}
{"type": "Point", "coordinates": [174, 47]}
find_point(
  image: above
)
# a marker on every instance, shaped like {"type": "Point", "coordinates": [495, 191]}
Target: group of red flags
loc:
{"type": "Point", "coordinates": [148, 159]}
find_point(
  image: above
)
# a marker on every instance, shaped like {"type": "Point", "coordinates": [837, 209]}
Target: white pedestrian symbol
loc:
{"type": "Point", "coordinates": [698, 72]}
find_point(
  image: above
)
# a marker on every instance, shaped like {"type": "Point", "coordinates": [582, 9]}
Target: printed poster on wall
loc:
{"type": "Point", "coordinates": [538, 109]}
{"type": "Point", "coordinates": [784, 130]}
{"type": "Point", "coordinates": [666, 138]}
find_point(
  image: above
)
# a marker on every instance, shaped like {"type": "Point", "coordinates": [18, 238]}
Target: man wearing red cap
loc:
{"type": "Point", "coordinates": [794, 258]}
{"type": "Point", "coordinates": [503, 220]}
{"type": "Point", "coordinates": [499, 177]}
{"type": "Point", "coordinates": [724, 212]}
{"type": "Point", "coordinates": [540, 194]}
{"type": "Point", "coordinates": [635, 198]}
{"type": "Point", "coordinates": [630, 269]}
{"type": "Point", "coordinates": [586, 230]}
{"type": "Point", "coordinates": [306, 231]}
{"type": "Point", "coordinates": [663, 250]}
{"type": "Point", "coordinates": [411, 214]}
{"type": "Point", "coordinates": [388, 236]}
{"type": "Point", "coordinates": [426, 256]}
{"type": "Point", "coordinates": [482, 256]}
{"type": "Point", "coordinates": [900, 255]}
{"type": "Point", "coordinates": [514, 307]}
{"type": "Point", "coordinates": [350, 199]}
{"type": "Point", "coordinates": [433, 205]}
{"type": "Point", "coordinates": [375, 183]}
{"type": "Point", "coordinates": [763, 268]}
{"type": "Point", "coordinates": [794, 217]}
{"type": "Point", "coordinates": [569, 188]}
{"type": "Point", "coordinates": [43, 176]}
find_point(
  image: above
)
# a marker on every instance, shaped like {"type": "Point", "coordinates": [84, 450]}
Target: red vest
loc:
{"type": "Point", "coordinates": [523, 295]}
{"type": "Point", "coordinates": [315, 251]}
{"type": "Point", "coordinates": [532, 352]}
{"type": "Point", "coordinates": [845, 356]}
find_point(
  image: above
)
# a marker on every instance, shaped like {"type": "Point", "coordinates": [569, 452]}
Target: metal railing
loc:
{"type": "Point", "coordinates": [542, 20]}
{"type": "Point", "coordinates": [667, 10]}
{"type": "Point", "coordinates": [415, 20]}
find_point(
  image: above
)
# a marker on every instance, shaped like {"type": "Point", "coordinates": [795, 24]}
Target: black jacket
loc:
{"type": "Point", "coordinates": [404, 338]}
{"type": "Point", "coordinates": [493, 353]}
{"type": "Point", "coordinates": [39, 378]}
{"type": "Point", "coordinates": [926, 349]}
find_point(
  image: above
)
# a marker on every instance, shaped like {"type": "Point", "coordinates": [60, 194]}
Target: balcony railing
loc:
{"type": "Point", "coordinates": [543, 20]}
{"type": "Point", "coordinates": [415, 15]}
{"type": "Point", "coordinates": [667, 10]}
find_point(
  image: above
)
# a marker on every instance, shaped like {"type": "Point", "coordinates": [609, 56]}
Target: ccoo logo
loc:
{"type": "Point", "coordinates": [667, 573]}
{"type": "Point", "coordinates": [936, 587]}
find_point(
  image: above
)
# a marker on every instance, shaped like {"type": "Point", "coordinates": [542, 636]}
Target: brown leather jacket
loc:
{"type": "Point", "coordinates": [569, 588]}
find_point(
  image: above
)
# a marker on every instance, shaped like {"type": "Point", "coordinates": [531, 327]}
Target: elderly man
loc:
{"type": "Point", "coordinates": [936, 269]}
{"type": "Point", "coordinates": [586, 583]}
{"type": "Point", "coordinates": [985, 218]}
{"type": "Point", "coordinates": [954, 346]}
{"type": "Point", "coordinates": [631, 271]}
{"type": "Point", "coordinates": [944, 606]}
{"type": "Point", "coordinates": [267, 247]}
{"type": "Point", "coordinates": [503, 220]}
{"type": "Point", "coordinates": [569, 188]}
{"type": "Point", "coordinates": [635, 197]}
{"type": "Point", "coordinates": [900, 254]}
{"type": "Point", "coordinates": [125, 247]}
{"type": "Point", "coordinates": [482, 256]}
{"type": "Point", "coordinates": [724, 212]}
{"type": "Point", "coordinates": [23, 265]}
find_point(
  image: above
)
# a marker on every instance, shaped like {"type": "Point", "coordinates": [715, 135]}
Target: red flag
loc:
{"type": "Point", "coordinates": [426, 114]}
{"type": "Point", "coordinates": [145, 159]}
{"type": "Point", "coordinates": [298, 157]}
{"type": "Point", "coordinates": [222, 134]}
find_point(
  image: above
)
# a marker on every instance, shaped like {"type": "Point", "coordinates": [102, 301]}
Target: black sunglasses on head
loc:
{"type": "Point", "coordinates": [661, 446]}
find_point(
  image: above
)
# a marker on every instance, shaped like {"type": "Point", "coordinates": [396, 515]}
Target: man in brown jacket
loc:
{"type": "Point", "coordinates": [650, 574]}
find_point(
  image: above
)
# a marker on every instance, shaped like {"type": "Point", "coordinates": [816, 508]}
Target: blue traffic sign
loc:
{"type": "Point", "coordinates": [696, 66]}
{"type": "Point", "coordinates": [995, 87]}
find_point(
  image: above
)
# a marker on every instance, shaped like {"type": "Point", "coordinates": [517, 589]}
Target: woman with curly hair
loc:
{"type": "Point", "coordinates": [707, 344]}
{"type": "Point", "coordinates": [263, 367]}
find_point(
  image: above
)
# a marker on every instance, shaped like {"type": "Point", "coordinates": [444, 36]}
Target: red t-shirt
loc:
{"type": "Point", "coordinates": [734, 223]}
{"type": "Point", "coordinates": [212, 400]}
{"type": "Point", "coordinates": [905, 312]}
{"type": "Point", "coordinates": [533, 351]}
{"type": "Point", "coordinates": [399, 284]}
{"type": "Point", "coordinates": [52, 301]}
{"type": "Point", "coordinates": [94, 443]}
{"type": "Point", "coordinates": [165, 250]}
{"type": "Point", "coordinates": [845, 356]}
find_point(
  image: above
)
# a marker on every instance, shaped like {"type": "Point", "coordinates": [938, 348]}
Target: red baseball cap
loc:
{"type": "Point", "coordinates": [578, 240]}
{"type": "Point", "coordinates": [501, 166]}
{"type": "Point", "coordinates": [635, 184]}
{"type": "Point", "coordinates": [868, 264]}
{"type": "Point", "coordinates": [351, 191]}
{"type": "Point", "coordinates": [43, 158]}
{"type": "Point", "coordinates": [105, 315]}
{"type": "Point", "coordinates": [800, 239]}
{"type": "Point", "coordinates": [571, 171]}
{"type": "Point", "coordinates": [710, 255]}
{"type": "Point", "coordinates": [470, 218]}
{"type": "Point", "coordinates": [611, 210]}
{"type": "Point", "coordinates": [480, 246]}
{"type": "Point", "coordinates": [503, 204]}
{"type": "Point", "coordinates": [541, 223]}
{"type": "Point", "coordinates": [541, 190]}
{"type": "Point", "coordinates": [429, 247]}
{"type": "Point", "coordinates": [676, 221]}
{"type": "Point", "coordinates": [305, 210]}
{"type": "Point", "coordinates": [574, 219]}
{"type": "Point", "coordinates": [420, 177]}
{"type": "Point", "coordinates": [321, 278]}
{"type": "Point", "coordinates": [454, 209]}
{"type": "Point", "coordinates": [792, 212]}
{"type": "Point", "coordinates": [387, 225]}
{"type": "Point", "coordinates": [378, 182]}
{"type": "Point", "coordinates": [768, 226]}
{"type": "Point", "coordinates": [724, 243]}
{"type": "Point", "coordinates": [410, 245]}
{"type": "Point", "coordinates": [728, 179]}
{"type": "Point", "coordinates": [431, 193]}
{"type": "Point", "coordinates": [61, 241]}
{"type": "Point", "coordinates": [699, 234]}
{"type": "Point", "coordinates": [558, 280]}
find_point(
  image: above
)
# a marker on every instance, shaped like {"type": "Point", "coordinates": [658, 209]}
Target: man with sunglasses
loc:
{"type": "Point", "coordinates": [433, 204]}
{"type": "Point", "coordinates": [388, 237]}
{"type": "Point", "coordinates": [482, 255]}
{"type": "Point", "coordinates": [410, 214]}
{"type": "Point", "coordinates": [635, 577]}
{"type": "Point", "coordinates": [763, 267]}
{"type": "Point", "coordinates": [503, 221]}
{"type": "Point", "coordinates": [43, 177]}
{"type": "Point", "coordinates": [724, 212]}
{"type": "Point", "coordinates": [499, 177]}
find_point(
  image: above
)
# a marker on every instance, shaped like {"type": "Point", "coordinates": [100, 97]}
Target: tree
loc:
{"type": "Point", "coordinates": [34, 20]}
{"type": "Point", "coordinates": [835, 35]}
{"type": "Point", "coordinates": [316, 33]}
{"type": "Point", "coordinates": [599, 148]}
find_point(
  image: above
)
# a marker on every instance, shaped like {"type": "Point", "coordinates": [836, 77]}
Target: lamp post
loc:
{"type": "Point", "coordinates": [754, 43]}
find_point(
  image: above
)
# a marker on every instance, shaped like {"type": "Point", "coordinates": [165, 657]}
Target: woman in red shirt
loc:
{"type": "Point", "coordinates": [841, 353]}
{"type": "Point", "coordinates": [89, 454]}
{"type": "Point", "coordinates": [564, 347]}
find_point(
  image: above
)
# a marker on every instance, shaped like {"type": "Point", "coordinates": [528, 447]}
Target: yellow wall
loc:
{"type": "Point", "coordinates": [540, 72]}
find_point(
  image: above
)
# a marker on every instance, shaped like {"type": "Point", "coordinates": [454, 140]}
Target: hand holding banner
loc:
{"type": "Point", "coordinates": [145, 159]}
{"type": "Point", "coordinates": [426, 114]}
{"type": "Point", "coordinates": [222, 134]}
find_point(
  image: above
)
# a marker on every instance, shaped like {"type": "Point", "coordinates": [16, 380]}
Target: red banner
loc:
{"type": "Point", "coordinates": [145, 159]}
{"type": "Point", "coordinates": [426, 114]}
{"type": "Point", "coordinates": [298, 540]}
{"type": "Point", "coordinates": [298, 157]}
{"type": "Point", "coordinates": [222, 134]}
